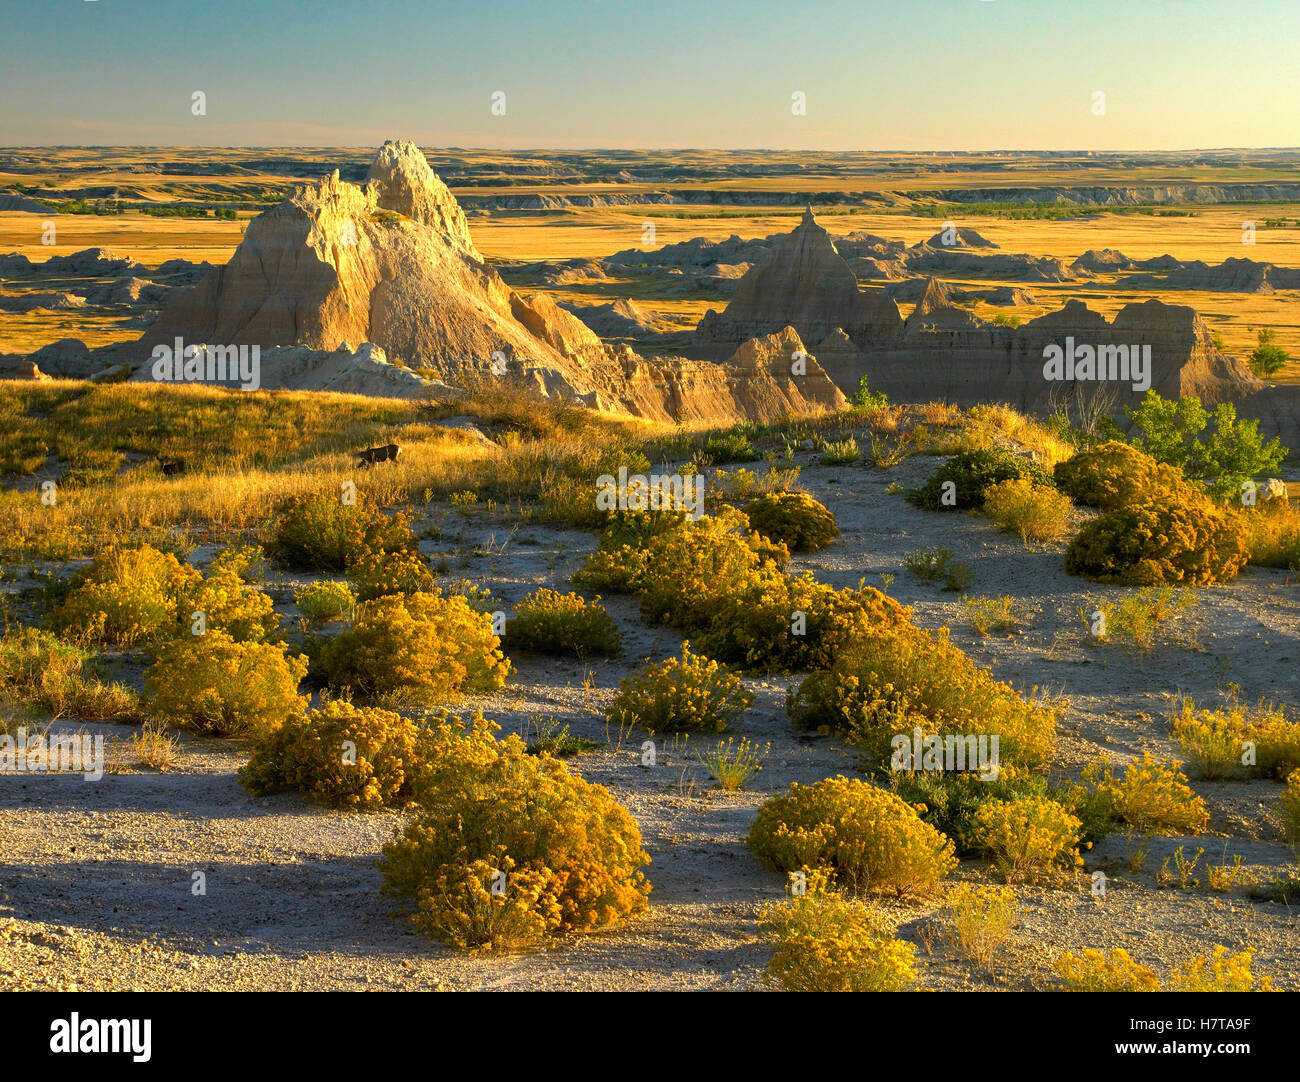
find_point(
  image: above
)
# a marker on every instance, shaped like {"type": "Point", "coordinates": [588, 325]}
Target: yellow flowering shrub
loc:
{"type": "Point", "coordinates": [1170, 539]}
{"type": "Point", "coordinates": [690, 572]}
{"type": "Point", "coordinates": [358, 757]}
{"type": "Point", "coordinates": [126, 596]}
{"type": "Point", "coordinates": [510, 851]}
{"type": "Point", "coordinates": [622, 553]}
{"type": "Point", "coordinates": [1152, 796]}
{"type": "Point", "coordinates": [1272, 532]}
{"type": "Point", "coordinates": [1224, 972]}
{"type": "Point", "coordinates": [689, 693]}
{"type": "Point", "coordinates": [825, 942]}
{"type": "Point", "coordinates": [1114, 971]}
{"type": "Point", "coordinates": [246, 561]}
{"type": "Point", "coordinates": [547, 622]}
{"type": "Point", "coordinates": [783, 623]}
{"type": "Point", "coordinates": [1029, 837]}
{"type": "Point", "coordinates": [432, 646]}
{"type": "Point", "coordinates": [888, 681]}
{"type": "Point", "coordinates": [215, 685]}
{"type": "Point", "coordinates": [1215, 740]}
{"type": "Point", "coordinates": [376, 573]}
{"type": "Point", "coordinates": [869, 838]}
{"type": "Point", "coordinates": [1288, 809]}
{"type": "Point", "coordinates": [40, 671]}
{"type": "Point", "coordinates": [1115, 475]}
{"type": "Point", "coordinates": [981, 920]}
{"type": "Point", "coordinates": [1035, 512]}
{"type": "Point", "coordinates": [321, 602]}
{"type": "Point", "coordinates": [319, 532]}
{"type": "Point", "coordinates": [795, 519]}
{"type": "Point", "coordinates": [229, 604]}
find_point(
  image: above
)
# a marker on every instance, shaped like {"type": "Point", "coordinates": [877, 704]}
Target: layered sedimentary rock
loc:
{"type": "Point", "coordinates": [805, 284]}
{"type": "Point", "coordinates": [390, 265]}
{"type": "Point", "coordinates": [943, 352]}
{"type": "Point", "coordinates": [765, 379]}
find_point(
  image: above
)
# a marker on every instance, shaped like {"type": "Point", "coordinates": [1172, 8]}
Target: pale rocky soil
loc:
{"type": "Point", "coordinates": [95, 879]}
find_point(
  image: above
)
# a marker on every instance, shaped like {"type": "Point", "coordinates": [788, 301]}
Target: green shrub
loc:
{"type": "Point", "coordinates": [730, 447]}
{"type": "Point", "coordinates": [1267, 358]}
{"type": "Point", "coordinates": [1233, 453]}
{"type": "Point", "coordinates": [794, 519]}
{"type": "Point", "coordinates": [840, 452]}
{"type": "Point", "coordinates": [212, 684]}
{"type": "Point", "coordinates": [939, 565]}
{"type": "Point", "coordinates": [682, 694]}
{"type": "Point", "coordinates": [1135, 618]}
{"type": "Point", "coordinates": [510, 851]}
{"type": "Point", "coordinates": [1167, 540]}
{"type": "Point", "coordinates": [972, 474]}
{"type": "Point", "coordinates": [547, 622]}
{"type": "Point", "coordinates": [866, 836]}
{"type": "Point", "coordinates": [432, 647]}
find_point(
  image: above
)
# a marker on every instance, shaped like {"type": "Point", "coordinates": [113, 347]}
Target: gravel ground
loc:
{"type": "Point", "coordinates": [97, 879]}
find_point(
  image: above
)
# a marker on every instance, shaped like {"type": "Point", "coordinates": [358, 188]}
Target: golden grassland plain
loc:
{"type": "Point", "coordinates": [1211, 233]}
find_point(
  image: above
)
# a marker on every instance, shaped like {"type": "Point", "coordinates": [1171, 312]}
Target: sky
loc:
{"type": "Point", "coordinates": [874, 74]}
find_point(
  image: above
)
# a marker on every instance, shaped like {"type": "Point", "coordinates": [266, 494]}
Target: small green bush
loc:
{"type": "Point", "coordinates": [972, 474]}
{"type": "Point", "coordinates": [730, 447]}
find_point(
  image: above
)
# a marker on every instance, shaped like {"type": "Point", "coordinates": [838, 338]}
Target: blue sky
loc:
{"type": "Point", "coordinates": [895, 75]}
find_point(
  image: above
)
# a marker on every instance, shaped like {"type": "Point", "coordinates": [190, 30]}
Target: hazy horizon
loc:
{"type": "Point", "coordinates": [947, 76]}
